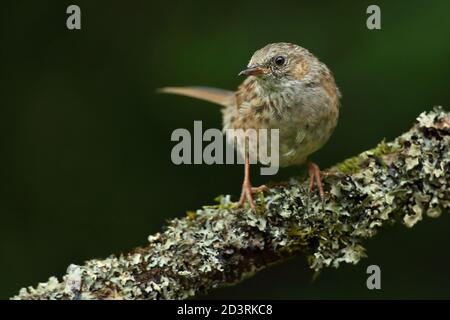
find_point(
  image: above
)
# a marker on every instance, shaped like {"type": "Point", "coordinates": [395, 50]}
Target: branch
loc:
{"type": "Point", "coordinates": [221, 245]}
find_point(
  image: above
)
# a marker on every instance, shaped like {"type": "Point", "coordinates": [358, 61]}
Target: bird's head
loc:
{"type": "Point", "coordinates": [281, 64]}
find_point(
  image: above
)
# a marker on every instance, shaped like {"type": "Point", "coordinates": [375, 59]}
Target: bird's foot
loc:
{"type": "Point", "coordinates": [247, 193]}
{"type": "Point", "coordinates": [315, 179]}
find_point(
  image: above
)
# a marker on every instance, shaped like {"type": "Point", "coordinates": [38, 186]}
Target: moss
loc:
{"type": "Point", "coordinates": [224, 203]}
{"type": "Point", "coordinates": [260, 202]}
{"type": "Point", "coordinates": [382, 149]}
{"type": "Point", "coordinates": [350, 165]}
{"type": "Point", "coordinates": [354, 164]}
{"type": "Point", "coordinates": [191, 215]}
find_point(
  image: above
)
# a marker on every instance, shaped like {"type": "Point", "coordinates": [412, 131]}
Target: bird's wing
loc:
{"type": "Point", "coordinates": [217, 96]}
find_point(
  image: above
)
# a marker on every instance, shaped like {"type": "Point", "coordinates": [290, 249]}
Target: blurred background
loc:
{"type": "Point", "coordinates": [85, 167]}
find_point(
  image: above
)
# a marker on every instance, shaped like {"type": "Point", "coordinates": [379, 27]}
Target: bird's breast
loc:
{"type": "Point", "coordinates": [304, 125]}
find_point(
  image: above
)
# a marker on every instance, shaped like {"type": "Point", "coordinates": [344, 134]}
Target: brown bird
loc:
{"type": "Point", "coordinates": [286, 88]}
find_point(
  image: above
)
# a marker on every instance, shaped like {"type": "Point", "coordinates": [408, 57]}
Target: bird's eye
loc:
{"type": "Point", "coordinates": [279, 61]}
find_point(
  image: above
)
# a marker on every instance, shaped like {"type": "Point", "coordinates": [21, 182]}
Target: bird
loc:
{"type": "Point", "coordinates": [286, 88]}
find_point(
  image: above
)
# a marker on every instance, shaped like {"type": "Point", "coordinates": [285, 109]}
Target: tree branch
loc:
{"type": "Point", "coordinates": [221, 245]}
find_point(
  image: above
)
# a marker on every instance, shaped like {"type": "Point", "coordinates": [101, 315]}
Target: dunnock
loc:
{"type": "Point", "coordinates": [286, 88]}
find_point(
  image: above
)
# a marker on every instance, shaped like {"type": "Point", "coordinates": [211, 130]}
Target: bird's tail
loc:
{"type": "Point", "coordinates": [217, 96]}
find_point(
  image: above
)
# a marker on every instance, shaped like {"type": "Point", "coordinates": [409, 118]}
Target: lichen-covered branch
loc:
{"type": "Point", "coordinates": [219, 245]}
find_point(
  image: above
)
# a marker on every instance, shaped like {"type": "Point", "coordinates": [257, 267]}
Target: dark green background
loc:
{"type": "Point", "coordinates": [85, 159]}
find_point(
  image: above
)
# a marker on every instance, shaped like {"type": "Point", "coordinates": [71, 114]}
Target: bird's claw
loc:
{"type": "Point", "coordinates": [247, 194]}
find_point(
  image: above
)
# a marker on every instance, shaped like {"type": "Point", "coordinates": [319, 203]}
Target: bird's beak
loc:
{"type": "Point", "coordinates": [253, 71]}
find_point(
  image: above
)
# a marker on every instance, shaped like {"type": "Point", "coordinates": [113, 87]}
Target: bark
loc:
{"type": "Point", "coordinates": [403, 180]}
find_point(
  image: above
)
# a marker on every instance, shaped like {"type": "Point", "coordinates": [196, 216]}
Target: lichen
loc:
{"type": "Point", "coordinates": [221, 244]}
{"type": "Point", "coordinates": [381, 152]}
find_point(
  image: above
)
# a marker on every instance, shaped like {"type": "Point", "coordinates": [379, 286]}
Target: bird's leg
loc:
{"type": "Point", "coordinates": [247, 189]}
{"type": "Point", "coordinates": [247, 193]}
{"type": "Point", "coordinates": [314, 178]}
